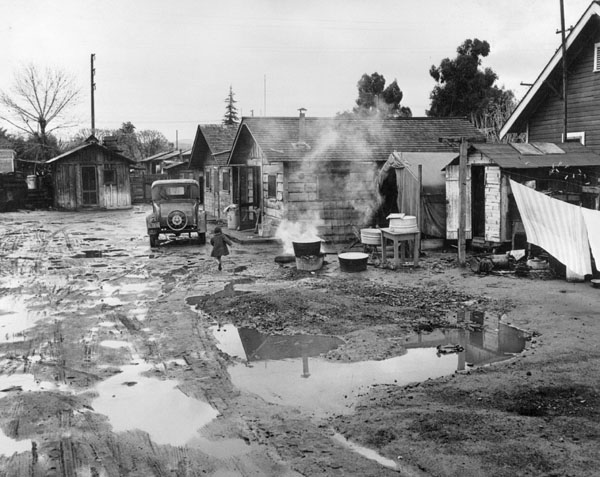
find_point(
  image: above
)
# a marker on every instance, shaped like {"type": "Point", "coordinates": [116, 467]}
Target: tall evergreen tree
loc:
{"type": "Point", "coordinates": [231, 113]}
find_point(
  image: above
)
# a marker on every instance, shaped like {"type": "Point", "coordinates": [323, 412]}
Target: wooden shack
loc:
{"type": "Point", "coordinates": [209, 165]}
{"type": "Point", "coordinates": [566, 171]}
{"type": "Point", "coordinates": [91, 176]}
{"type": "Point", "coordinates": [321, 173]}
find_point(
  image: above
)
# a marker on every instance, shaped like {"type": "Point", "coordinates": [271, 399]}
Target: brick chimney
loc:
{"type": "Point", "coordinates": [302, 126]}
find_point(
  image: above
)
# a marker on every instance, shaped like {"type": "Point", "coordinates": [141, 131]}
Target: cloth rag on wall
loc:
{"type": "Point", "coordinates": [556, 226]}
{"type": "Point", "coordinates": [592, 224]}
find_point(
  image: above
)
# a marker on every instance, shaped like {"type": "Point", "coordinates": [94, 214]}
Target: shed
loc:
{"type": "Point", "coordinates": [91, 176]}
{"type": "Point", "coordinates": [566, 171]}
{"type": "Point", "coordinates": [320, 174]}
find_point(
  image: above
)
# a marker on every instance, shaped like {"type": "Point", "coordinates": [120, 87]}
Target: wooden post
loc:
{"type": "Point", "coordinates": [462, 206]}
{"type": "Point", "coordinates": [420, 204]}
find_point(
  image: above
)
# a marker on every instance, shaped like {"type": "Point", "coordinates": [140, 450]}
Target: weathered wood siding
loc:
{"type": "Point", "coordinates": [68, 182]}
{"type": "Point", "coordinates": [493, 204]}
{"type": "Point", "coordinates": [583, 101]}
{"type": "Point", "coordinates": [336, 199]}
{"type": "Point", "coordinates": [453, 203]}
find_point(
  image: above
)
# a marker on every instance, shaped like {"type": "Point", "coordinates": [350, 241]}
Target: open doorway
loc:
{"type": "Point", "coordinates": [478, 200]}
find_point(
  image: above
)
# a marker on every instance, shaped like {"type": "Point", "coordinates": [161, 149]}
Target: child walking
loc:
{"type": "Point", "coordinates": [219, 241]}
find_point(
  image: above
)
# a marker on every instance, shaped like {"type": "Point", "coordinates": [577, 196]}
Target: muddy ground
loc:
{"type": "Point", "coordinates": [113, 324]}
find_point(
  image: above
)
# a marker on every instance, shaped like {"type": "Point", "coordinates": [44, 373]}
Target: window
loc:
{"type": "Point", "coordinates": [110, 176]}
{"type": "Point", "coordinates": [576, 137]}
{"type": "Point", "coordinates": [272, 187]}
{"type": "Point", "coordinates": [597, 57]}
{"type": "Point", "coordinates": [207, 177]}
{"type": "Point", "coordinates": [226, 180]}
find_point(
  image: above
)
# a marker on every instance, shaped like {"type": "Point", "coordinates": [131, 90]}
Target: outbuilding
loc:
{"type": "Point", "coordinates": [566, 171]}
{"type": "Point", "coordinates": [91, 176]}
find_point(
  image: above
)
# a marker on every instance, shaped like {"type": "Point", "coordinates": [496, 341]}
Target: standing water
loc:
{"type": "Point", "coordinates": [290, 370]}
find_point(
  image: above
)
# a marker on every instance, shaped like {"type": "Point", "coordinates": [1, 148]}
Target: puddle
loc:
{"type": "Point", "coordinates": [133, 401]}
{"type": "Point", "coordinates": [288, 370]}
{"type": "Point", "coordinates": [221, 449]}
{"type": "Point", "coordinates": [15, 318]}
{"type": "Point", "coordinates": [116, 344]}
{"type": "Point", "coordinates": [366, 452]}
{"type": "Point", "coordinates": [10, 446]}
{"type": "Point", "coordinates": [24, 382]}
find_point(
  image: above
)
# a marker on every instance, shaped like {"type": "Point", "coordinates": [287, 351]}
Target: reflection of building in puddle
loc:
{"type": "Point", "coordinates": [484, 338]}
{"type": "Point", "coordinates": [276, 364]}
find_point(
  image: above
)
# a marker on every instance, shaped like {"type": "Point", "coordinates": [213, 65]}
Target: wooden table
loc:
{"type": "Point", "coordinates": [399, 239]}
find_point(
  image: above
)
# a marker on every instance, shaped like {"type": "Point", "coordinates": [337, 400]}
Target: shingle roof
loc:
{"type": "Point", "coordinates": [508, 156]}
{"type": "Point", "coordinates": [352, 139]}
{"type": "Point", "coordinates": [216, 139]}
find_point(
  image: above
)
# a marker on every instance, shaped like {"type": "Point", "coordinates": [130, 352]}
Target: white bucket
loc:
{"type": "Point", "coordinates": [370, 236]}
{"type": "Point", "coordinates": [32, 182]}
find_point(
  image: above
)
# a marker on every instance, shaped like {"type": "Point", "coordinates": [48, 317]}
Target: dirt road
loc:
{"type": "Point", "coordinates": [117, 359]}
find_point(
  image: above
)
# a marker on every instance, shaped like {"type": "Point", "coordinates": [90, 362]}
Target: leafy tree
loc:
{"type": "Point", "coordinates": [152, 142]}
{"type": "Point", "coordinates": [463, 88]}
{"type": "Point", "coordinates": [37, 105]}
{"type": "Point", "coordinates": [377, 100]}
{"type": "Point", "coordinates": [136, 145]}
{"type": "Point", "coordinates": [231, 114]}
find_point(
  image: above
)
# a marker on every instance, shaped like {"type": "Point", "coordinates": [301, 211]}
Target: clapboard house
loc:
{"type": "Point", "coordinates": [541, 112]}
{"type": "Point", "coordinates": [323, 172]}
{"type": "Point", "coordinates": [561, 171]}
{"type": "Point", "coordinates": [209, 165]}
{"type": "Point", "coordinates": [91, 176]}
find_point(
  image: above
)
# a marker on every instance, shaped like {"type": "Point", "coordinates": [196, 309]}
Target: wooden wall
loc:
{"type": "Point", "coordinates": [453, 202]}
{"type": "Point", "coordinates": [68, 182]}
{"type": "Point", "coordinates": [334, 198]}
{"type": "Point", "coordinates": [215, 198]}
{"type": "Point", "coordinates": [583, 101]}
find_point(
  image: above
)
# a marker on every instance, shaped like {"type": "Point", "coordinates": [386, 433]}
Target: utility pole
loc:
{"type": "Point", "coordinates": [265, 98]}
{"type": "Point", "coordinates": [93, 87]}
{"type": "Point", "coordinates": [463, 143]}
{"type": "Point", "coordinates": [462, 207]}
{"type": "Point", "coordinates": [564, 68]}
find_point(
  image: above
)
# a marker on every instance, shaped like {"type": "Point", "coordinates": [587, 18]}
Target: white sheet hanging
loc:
{"type": "Point", "coordinates": [556, 226]}
{"type": "Point", "coordinates": [592, 224]}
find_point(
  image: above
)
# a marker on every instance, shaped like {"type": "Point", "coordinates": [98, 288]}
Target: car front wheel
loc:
{"type": "Point", "coordinates": [153, 240]}
{"type": "Point", "coordinates": [201, 238]}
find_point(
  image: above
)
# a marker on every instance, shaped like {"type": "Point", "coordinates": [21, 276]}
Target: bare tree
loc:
{"type": "Point", "coordinates": [37, 99]}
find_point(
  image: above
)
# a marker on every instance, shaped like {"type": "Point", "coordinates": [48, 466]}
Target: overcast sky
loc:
{"type": "Point", "coordinates": [168, 65]}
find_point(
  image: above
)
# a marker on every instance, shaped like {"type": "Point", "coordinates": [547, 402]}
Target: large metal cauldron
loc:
{"type": "Point", "coordinates": [303, 248]}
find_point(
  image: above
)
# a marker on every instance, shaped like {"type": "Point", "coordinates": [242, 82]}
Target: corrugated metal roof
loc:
{"type": "Point", "coordinates": [508, 156]}
{"type": "Point", "coordinates": [332, 139]}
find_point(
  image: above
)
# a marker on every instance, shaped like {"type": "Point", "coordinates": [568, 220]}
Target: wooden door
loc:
{"type": "Point", "coordinates": [89, 185]}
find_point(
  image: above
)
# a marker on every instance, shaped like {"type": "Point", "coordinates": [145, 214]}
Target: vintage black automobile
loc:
{"type": "Point", "coordinates": [176, 209]}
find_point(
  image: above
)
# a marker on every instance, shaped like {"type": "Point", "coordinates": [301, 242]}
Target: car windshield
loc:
{"type": "Point", "coordinates": [175, 191]}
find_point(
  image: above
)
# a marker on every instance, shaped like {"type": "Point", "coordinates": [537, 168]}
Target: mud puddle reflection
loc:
{"type": "Point", "coordinates": [289, 370]}
{"type": "Point", "coordinates": [133, 401]}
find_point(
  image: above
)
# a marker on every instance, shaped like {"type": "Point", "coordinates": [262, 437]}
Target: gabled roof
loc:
{"type": "Point", "coordinates": [536, 155]}
{"type": "Point", "coordinates": [516, 121]}
{"type": "Point", "coordinates": [160, 156]}
{"type": "Point", "coordinates": [332, 139]}
{"type": "Point", "coordinates": [213, 139]}
{"type": "Point", "coordinates": [91, 145]}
